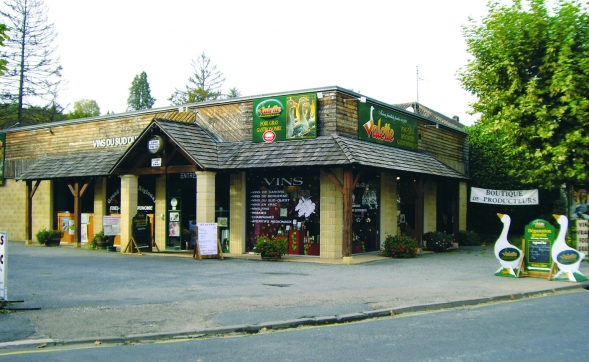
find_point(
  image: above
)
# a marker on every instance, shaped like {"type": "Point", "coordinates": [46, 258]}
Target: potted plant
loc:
{"type": "Point", "coordinates": [400, 247]}
{"type": "Point", "coordinates": [49, 237]}
{"type": "Point", "coordinates": [271, 248]}
{"type": "Point", "coordinates": [100, 241]}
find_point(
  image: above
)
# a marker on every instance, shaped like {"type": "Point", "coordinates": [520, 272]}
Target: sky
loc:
{"type": "Point", "coordinates": [372, 47]}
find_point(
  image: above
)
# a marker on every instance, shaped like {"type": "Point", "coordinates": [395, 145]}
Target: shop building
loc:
{"type": "Point", "coordinates": [332, 170]}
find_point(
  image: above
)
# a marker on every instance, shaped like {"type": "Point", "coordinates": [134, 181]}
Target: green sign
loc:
{"type": "Point", "coordinates": [285, 118]}
{"type": "Point", "coordinates": [387, 127]}
{"type": "Point", "coordinates": [2, 153]}
{"type": "Point", "coordinates": [539, 236]}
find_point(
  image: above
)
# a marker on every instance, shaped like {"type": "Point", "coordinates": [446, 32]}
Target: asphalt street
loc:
{"type": "Point", "coordinates": [85, 295]}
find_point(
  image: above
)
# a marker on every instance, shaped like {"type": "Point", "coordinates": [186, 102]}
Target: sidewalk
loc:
{"type": "Point", "coordinates": [86, 296]}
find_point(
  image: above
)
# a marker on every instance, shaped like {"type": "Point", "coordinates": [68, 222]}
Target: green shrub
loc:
{"type": "Point", "coordinates": [44, 235]}
{"type": "Point", "coordinates": [438, 241]}
{"type": "Point", "coordinates": [400, 246]}
{"type": "Point", "coordinates": [468, 238]}
{"type": "Point", "coordinates": [271, 248]}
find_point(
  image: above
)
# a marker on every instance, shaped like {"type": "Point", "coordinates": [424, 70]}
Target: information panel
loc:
{"type": "Point", "coordinates": [111, 225]}
{"type": "Point", "coordinates": [207, 238]}
{"type": "Point", "coordinates": [3, 276]}
{"type": "Point", "coordinates": [539, 236]}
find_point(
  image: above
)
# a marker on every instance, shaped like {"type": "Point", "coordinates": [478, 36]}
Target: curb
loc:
{"type": "Point", "coordinates": [288, 324]}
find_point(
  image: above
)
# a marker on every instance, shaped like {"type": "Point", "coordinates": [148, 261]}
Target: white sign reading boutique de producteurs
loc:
{"type": "Point", "coordinates": [504, 197]}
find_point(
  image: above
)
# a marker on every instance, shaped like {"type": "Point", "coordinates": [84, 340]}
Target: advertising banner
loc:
{"type": "Point", "coordinates": [2, 152]}
{"type": "Point", "coordinates": [504, 197]}
{"type": "Point", "coordinates": [582, 231]}
{"type": "Point", "coordinates": [285, 118]}
{"type": "Point", "coordinates": [539, 236]}
{"type": "Point", "coordinates": [387, 127]}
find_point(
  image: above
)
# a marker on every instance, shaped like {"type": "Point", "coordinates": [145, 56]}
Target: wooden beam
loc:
{"type": "Point", "coordinates": [334, 179]}
{"type": "Point", "coordinates": [86, 184]}
{"type": "Point", "coordinates": [75, 189]}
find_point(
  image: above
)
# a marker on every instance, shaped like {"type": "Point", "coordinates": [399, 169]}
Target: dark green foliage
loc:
{"type": "Point", "coordinates": [400, 246]}
{"type": "Point", "coordinates": [468, 238]}
{"type": "Point", "coordinates": [438, 241]}
{"type": "Point", "coordinates": [140, 94]}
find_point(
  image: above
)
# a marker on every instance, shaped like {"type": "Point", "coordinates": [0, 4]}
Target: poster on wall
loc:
{"type": "Point", "coordinates": [386, 127]}
{"type": "Point", "coordinates": [2, 152]}
{"type": "Point", "coordinates": [111, 225]}
{"type": "Point", "coordinates": [579, 204]}
{"type": "Point", "coordinates": [285, 118]}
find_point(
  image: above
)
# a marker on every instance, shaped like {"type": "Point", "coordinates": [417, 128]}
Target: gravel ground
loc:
{"type": "Point", "coordinates": [83, 293]}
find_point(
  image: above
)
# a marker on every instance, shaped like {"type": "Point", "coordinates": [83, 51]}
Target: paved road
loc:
{"type": "Point", "coordinates": [551, 328]}
{"type": "Point", "coordinates": [86, 294]}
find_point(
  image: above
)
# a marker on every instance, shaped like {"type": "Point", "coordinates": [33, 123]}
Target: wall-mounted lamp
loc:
{"type": "Point", "coordinates": [319, 95]}
{"type": "Point", "coordinates": [437, 125]}
{"type": "Point", "coordinates": [361, 99]}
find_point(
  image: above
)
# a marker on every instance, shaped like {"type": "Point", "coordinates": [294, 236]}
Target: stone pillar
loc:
{"type": "Point", "coordinates": [429, 206]}
{"type": "Point", "coordinates": [388, 205]}
{"type": "Point", "coordinates": [331, 211]}
{"type": "Point", "coordinates": [205, 196]}
{"type": "Point", "coordinates": [42, 212]}
{"type": "Point", "coordinates": [462, 202]}
{"type": "Point", "coordinates": [160, 212]}
{"type": "Point", "coordinates": [237, 212]}
{"type": "Point", "coordinates": [99, 204]}
{"type": "Point", "coordinates": [129, 185]}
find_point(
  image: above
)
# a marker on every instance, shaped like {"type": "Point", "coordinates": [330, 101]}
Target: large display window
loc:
{"type": "Point", "coordinates": [284, 205]}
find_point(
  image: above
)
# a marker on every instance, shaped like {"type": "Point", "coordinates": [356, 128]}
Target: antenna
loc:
{"type": "Point", "coordinates": [417, 81]}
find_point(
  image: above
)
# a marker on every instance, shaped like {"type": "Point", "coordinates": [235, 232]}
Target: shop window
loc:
{"type": "Point", "coordinates": [284, 204]}
{"type": "Point", "coordinates": [366, 214]}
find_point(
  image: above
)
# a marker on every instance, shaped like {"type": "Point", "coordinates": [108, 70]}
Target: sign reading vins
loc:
{"type": "Point", "coordinates": [387, 127]}
{"type": "Point", "coordinates": [285, 118]}
{"type": "Point", "coordinates": [539, 236]}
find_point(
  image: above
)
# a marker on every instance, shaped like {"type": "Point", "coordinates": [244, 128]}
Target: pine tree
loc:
{"type": "Point", "coordinates": [139, 94]}
{"type": "Point", "coordinates": [204, 86]}
{"type": "Point", "coordinates": [33, 75]}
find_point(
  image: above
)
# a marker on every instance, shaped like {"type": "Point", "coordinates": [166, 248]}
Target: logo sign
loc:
{"type": "Point", "coordinates": [509, 254]}
{"type": "Point", "coordinates": [155, 144]}
{"type": "Point", "coordinates": [387, 127]}
{"type": "Point", "coordinates": [284, 118]}
{"type": "Point", "coordinates": [567, 257]}
{"type": "Point", "coordinates": [3, 274]}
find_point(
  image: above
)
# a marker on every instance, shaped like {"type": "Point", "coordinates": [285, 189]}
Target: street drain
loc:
{"type": "Point", "coordinates": [278, 285]}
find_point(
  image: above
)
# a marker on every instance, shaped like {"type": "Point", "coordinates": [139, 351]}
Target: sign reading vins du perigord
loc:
{"type": "Point", "coordinates": [539, 236]}
{"type": "Point", "coordinates": [387, 127]}
{"type": "Point", "coordinates": [285, 118]}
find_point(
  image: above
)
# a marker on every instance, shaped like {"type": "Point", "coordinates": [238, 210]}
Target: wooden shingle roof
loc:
{"type": "Point", "coordinates": [72, 165]}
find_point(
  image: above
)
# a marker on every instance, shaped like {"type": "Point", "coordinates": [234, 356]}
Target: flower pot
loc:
{"type": "Point", "coordinates": [53, 242]}
{"type": "Point", "coordinates": [101, 243]}
{"type": "Point", "coordinates": [270, 257]}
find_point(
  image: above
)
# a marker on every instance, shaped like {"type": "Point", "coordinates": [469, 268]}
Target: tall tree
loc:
{"type": "Point", "coordinates": [3, 37]}
{"type": "Point", "coordinates": [139, 94]}
{"type": "Point", "coordinates": [204, 85]}
{"type": "Point", "coordinates": [530, 73]}
{"type": "Point", "coordinates": [84, 108]}
{"type": "Point", "coordinates": [33, 74]}
{"type": "Point", "coordinates": [233, 93]}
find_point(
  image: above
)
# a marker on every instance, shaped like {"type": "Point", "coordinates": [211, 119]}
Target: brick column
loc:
{"type": "Point", "coordinates": [129, 184]}
{"type": "Point", "coordinates": [99, 204]}
{"type": "Point", "coordinates": [205, 196]}
{"type": "Point", "coordinates": [388, 205]}
{"type": "Point", "coordinates": [237, 213]}
{"type": "Point", "coordinates": [160, 212]}
{"type": "Point", "coordinates": [462, 202]}
{"type": "Point", "coordinates": [429, 206]}
{"type": "Point", "coordinates": [331, 213]}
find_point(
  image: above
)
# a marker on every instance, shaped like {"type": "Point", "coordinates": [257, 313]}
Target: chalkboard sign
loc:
{"type": "Point", "coordinates": [142, 231]}
{"type": "Point", "coordinates": [539, 237]}
{"type": "Point", "coordinates": [539, 252]}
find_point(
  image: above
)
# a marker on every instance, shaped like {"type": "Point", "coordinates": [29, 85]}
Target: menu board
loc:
{"type": "Point", "coordinates": [539, 236]}
{"type": "Point", "coordinates": [207, 238]}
